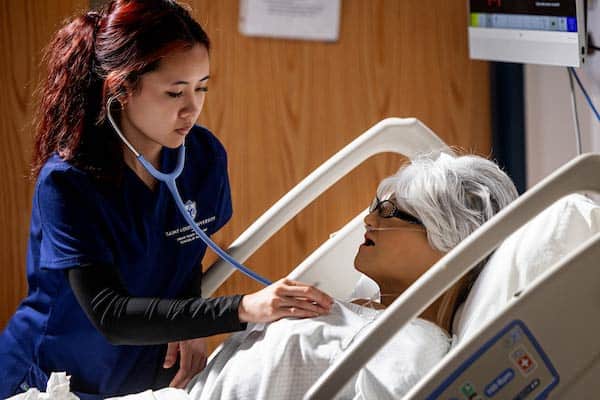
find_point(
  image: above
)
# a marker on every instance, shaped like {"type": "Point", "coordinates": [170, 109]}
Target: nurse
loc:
{"type": "Point", "coordinates": [113, 268]}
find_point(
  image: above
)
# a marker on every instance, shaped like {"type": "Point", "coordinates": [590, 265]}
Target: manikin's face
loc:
{"type": "Point", "coordinates": [397, 257]}
{"type": "Point", "coordinates": [168, 100]}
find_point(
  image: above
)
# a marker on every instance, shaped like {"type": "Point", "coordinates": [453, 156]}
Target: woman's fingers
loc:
{"type": "Point", "coordinates": [303, 304]}
{"type": "Point", "coordinates": [284, 298]}
{"type": "Point", "coordinates": [185, 368]}
{"type": "Point", "coordinates": [310, 293]}
{"type": "Point", "coordinates": [171, 355]}
{"type": "Point", "coordinates": [192, 361]}
{"type": "Point", "coordinates": [296, 312]}
{"type": "Point", "coordinates": [198, 364]}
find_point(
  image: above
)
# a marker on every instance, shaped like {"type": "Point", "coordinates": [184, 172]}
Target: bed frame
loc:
{"type": "Point", "coordinates": [567, 350]}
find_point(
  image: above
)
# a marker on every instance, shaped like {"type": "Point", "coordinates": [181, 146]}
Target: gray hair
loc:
{"type": "Point", "coordinates": [451, 195]}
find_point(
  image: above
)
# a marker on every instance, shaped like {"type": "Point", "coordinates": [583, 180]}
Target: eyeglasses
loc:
{"type": "Point", "coordinates": [388, 209]}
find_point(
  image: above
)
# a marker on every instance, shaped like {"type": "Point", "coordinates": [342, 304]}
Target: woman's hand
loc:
{"type": "Point", "coordinates": [284, 298]}
{"type": "Point", "coordinates": [192, 360]}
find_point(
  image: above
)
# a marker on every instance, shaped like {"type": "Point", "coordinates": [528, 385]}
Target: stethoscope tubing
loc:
{"type": "Point", "coordinates": [169, 180]}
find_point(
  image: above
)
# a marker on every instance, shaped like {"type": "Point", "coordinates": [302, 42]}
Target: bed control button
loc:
{"type": "Point", "coordinates": [499, 382]}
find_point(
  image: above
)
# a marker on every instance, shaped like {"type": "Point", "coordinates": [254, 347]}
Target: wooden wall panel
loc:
{"type": "Point", "coordinates": [281, 107]}
{"type": "Point", "coordinates": [25, 28]}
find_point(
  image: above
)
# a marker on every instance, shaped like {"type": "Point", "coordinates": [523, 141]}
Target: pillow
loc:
{"type": "Point", "coordinates": [525, 255]}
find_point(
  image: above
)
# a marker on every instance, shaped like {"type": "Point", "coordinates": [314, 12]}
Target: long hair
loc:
{"type": "Point", "coordinates": [93, 57]}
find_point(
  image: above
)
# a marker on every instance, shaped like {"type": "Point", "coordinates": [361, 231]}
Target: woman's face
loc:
{"type": "Point", "coordinates": [167, 101]}
{"type": "Point", "coordinates": [394, 258]}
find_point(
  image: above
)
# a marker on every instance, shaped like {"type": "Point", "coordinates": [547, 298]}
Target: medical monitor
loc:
{"type": "Point", "coordinates": [550, 32]}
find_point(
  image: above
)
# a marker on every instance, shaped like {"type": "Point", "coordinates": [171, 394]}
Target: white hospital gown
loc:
{"type": "Point", "coordinates": [402, 362]}
{"type": "Point", "coordinates": [282, 360]}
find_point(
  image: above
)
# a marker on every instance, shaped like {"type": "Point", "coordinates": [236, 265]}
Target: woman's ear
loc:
{"type": "Point", "coordinates": [122, 100]}
{"type": "Point", "coordinates": [128, 90]}
{"type": "Point", "coordinates": [124, 95]}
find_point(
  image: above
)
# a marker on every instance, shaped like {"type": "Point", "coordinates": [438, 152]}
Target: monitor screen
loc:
{"type": "Point", "coordinates": [528, 31]}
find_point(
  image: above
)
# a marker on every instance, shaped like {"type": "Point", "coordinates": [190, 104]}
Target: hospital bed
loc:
{"type": "Point", "coordinates": [541, 345]}
{"type": "Point", "coordinates": [540, 339]}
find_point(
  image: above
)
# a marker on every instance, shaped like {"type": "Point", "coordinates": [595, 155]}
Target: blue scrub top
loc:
{"type": "Point", "coordinates": [73, 222]}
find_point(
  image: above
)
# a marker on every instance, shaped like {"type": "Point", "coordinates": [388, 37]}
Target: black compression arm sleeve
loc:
{"type": "Point", "coordinates": [141, 321]}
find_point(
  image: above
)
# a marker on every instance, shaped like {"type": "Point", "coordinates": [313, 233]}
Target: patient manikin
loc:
{"type": "Point", "coordinates": [418, 215]}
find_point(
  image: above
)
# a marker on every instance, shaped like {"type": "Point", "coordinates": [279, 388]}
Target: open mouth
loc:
{"type": "Point", "coordinates": [368, 242]}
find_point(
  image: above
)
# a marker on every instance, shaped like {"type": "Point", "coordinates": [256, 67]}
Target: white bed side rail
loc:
{"type": "Point", "coordinates": [580, 174]}
{"type": "Point", "coordinates": [571, 344]}
{"type": "Point", "coordinates": [322, 267]}
{"type": "Point", "coordinates": [407, 136]}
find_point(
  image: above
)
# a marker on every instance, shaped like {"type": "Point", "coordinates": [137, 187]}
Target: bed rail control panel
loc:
{"type": "Point", "coordinates": [511, 365]}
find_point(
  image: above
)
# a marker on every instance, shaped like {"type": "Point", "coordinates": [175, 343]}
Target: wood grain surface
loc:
{"type": "Point", "coordinates": [281, 108]}
{"type": "Point", "coordinates": [25, 28]}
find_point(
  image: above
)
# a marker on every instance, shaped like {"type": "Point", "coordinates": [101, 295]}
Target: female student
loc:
{"type": "Point", "coordinates": [113, 269]}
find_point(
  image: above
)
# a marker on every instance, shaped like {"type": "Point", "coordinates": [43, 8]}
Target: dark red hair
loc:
{"type": "Point", "coordinates": [93, 57]}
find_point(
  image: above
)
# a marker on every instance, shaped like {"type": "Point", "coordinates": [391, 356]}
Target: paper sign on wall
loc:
{"type": "Point", "coordinates": [291, 19]}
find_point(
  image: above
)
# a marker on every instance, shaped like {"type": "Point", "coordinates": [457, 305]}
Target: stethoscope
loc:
{"type": "Point", "coordinates": [169, 180]}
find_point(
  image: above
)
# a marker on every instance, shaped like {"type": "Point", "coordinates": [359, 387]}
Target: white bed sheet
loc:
{"type": "Point", "coordinates": [282, 360]}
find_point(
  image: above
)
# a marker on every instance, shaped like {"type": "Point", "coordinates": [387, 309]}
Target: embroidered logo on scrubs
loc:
{"type": "Point", "coordinates": [190, 206]}
{"type": "Point", "coordinates": [184, 234]}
